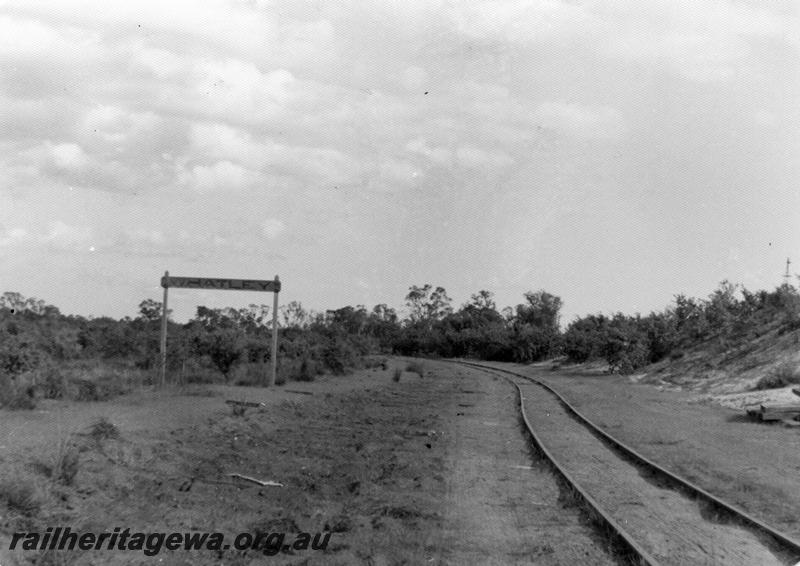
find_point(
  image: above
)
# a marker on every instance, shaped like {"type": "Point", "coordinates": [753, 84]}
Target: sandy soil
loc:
{"type": "Point", "coordinates": [754, 465]}
{"type": "Point", "coordinates": [427, 470]}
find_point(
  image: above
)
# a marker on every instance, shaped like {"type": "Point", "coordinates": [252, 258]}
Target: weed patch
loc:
{"type": "Point", "coordinates": [20, 495]}
{"type": "Point", "coordinates": [63, 466]}
{"type": "Point", "coordinates": [103, 429]}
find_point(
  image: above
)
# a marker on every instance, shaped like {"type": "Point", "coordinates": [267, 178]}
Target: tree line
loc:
{"type": "Point", "coordinates": [232, 345]}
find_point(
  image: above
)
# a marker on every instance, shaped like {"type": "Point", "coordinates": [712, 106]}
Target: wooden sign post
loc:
{"type": "Point", "coordinates": [273, 286]}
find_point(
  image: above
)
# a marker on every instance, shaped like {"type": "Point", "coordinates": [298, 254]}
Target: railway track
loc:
{"type": "Point", "coordinates": [659, 516]}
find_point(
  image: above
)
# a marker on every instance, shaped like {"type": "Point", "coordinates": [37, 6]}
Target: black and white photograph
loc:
{"type": "Point", "coordinates": [387, 283]}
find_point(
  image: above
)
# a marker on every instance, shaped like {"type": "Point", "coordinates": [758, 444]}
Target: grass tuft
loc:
{"type": "Point", "coordinates": [397, 374]}
{"type": "Point", "coordinates": [102, 430]}
{"type": "Point", "coordinates": [20, 495]}
{"type": "Point", "coordinates": [64, 465]}
{"type": "Point", "coordinates": [416, 367]}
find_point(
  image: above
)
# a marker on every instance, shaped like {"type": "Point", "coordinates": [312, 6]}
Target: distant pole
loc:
{"type": "Point", "coordinates": [274, 370]}
{"type": "Point", "coordinates": [786, 276]}
{"type": "Point", "coordinates": [165, 284]}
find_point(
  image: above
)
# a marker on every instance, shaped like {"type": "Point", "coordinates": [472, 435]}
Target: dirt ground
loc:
{"type": "Point", "coordinates": [674, 528]}
{"type": "Point", "coordinates": [427, 470]}
{"type": "Point", "coordinates": [754, 465]}
{"type": "Point", "coordinates": [503, 506]}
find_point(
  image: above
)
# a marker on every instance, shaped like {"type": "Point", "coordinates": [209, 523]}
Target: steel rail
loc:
{"type": "Point", "coordinates": [759, 525]}
{"type": "Point", "coordinates": [621, 533]}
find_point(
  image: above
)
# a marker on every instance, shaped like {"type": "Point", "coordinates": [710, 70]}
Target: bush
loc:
{"type": "Point", "coordinates": [18, 354]}
{"type": "Point", "coordinates": [304, 372]}
{"type": "Point", "coordinates": [196, 372]}
{"type": "Point", "coordinates": [103, 429]}
{"type": "Point", "coordinates": [52, 383]}
{"type": "Point", "coordinates": [86, 381]}
{"type": "Point", "coordinates": [250, 374]}
{"type": "Point", "coordinates": [785, 374]}
{"type": "Point", "coordinates": [15, 395]}
{"type": "Point", "coordinates": [333, 359]}
{"type": "Point", "coordinates": [83, 390]}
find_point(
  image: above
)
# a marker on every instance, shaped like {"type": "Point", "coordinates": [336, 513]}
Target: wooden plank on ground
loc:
{"type": "Point", "coordinates": [244, 403]}
{"type": "Point", "coordinates": [779, 412]}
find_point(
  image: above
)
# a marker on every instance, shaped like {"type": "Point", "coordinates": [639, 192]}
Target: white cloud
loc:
{"type": "Point", "coordinates": [161, 63]}
{"type": "Point", "coordinates": [115, 124]}
{"type": "Point", "coordinates": [68, 155]}
{"type": "Point", "coordinates": [398, 171]}
{"type": "Point", "coordinates": [470, 156]}
{"type": "Point", "coordinates": [272, 227]}
{"type": "Point", "coordinates": [414, 78]}
{"type": "Point", "coordinates": [702, 41]}
{"type": "Point", "coordinates": [585, 121]}
{"type": "Point", "coordinates": [520, 20]}
{"type": "Point", "coordinates": [152, 237]}
{"type": "Point", "coordinates": [764, 117]}
{"type": "Point", "coordinates": [63, 235]}
{"type": "Point", "coordinates": [12, 236]}
{"type": "Point", "coordinates": [221, 176]}
{"type": "Point", "coordinates": [226, 23]}
{"type": "Point", "coordinates": [440, 155]}
{"type": "Point", "coordinates": [26, 37]}
{"type": "Point", "coordinates": [220, 141]}
{"type": "Point", "coordinates": [235, 87]}
{"type": "Point", "coordinates": [317, 110]}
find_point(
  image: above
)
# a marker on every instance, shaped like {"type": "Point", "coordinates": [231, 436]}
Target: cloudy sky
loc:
{"type": "Point", "coordinates": [613, 153]}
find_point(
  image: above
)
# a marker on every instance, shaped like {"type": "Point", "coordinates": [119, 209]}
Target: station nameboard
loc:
{"type": "Point", "coordinates": [230, 284]}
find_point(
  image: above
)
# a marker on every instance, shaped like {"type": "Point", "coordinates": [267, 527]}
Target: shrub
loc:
{"type": "Point", "coordinates": [333, 359]}
{"type": "Point", "coordinates": [103, 429]}
{"type": "Point", "coordinates": [224, 348]}
{"type": "Point", "coordinates": [18, 354]}
{"type": "Point", "coordinates": [251, 374]}
{"type": "Point", "coordinates": [785, 374]}
{"type": "Point", "coordinates": [83, 390]}
{"type": "Point", "coordinates": [196, 372]}
{"type": "Point", "coordinates": [15, 395]}
{"type": "Point", "coordinates": [304, 372]}
{"type": "Point", "coordinates": [52, 383]}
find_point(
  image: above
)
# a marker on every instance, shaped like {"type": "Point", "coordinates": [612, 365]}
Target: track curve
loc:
{"type": "Point", "coordinates": [780, 540]}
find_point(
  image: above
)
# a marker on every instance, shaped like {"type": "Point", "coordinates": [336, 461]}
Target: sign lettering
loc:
{"type": "Point", "coordinates": [212, 283]}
